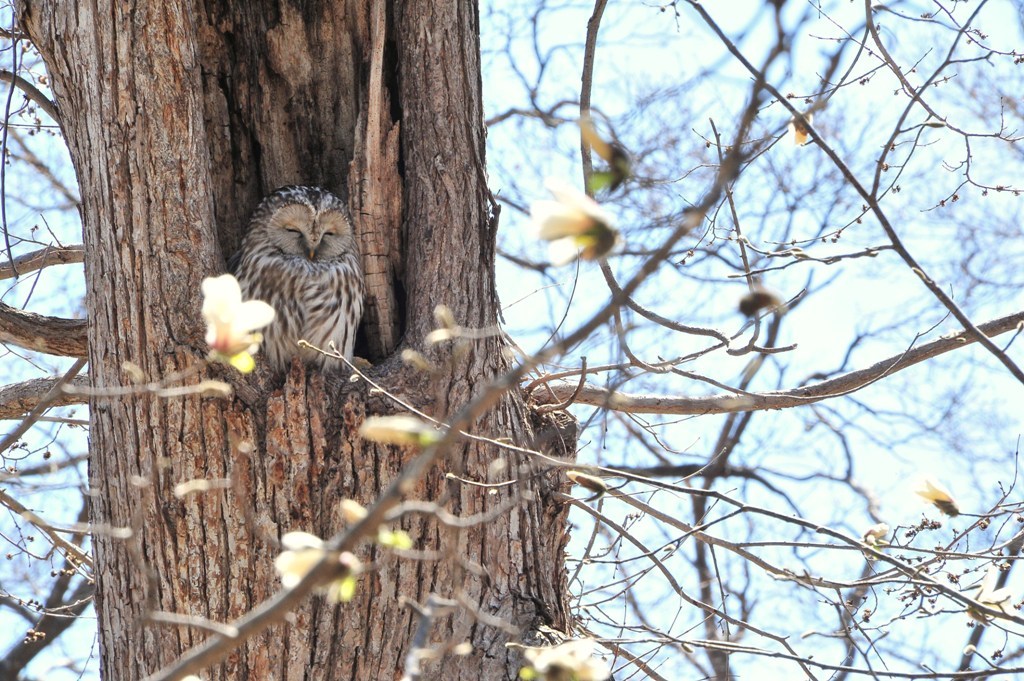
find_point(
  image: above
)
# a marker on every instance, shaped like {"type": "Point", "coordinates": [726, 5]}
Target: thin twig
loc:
{"type": "Point", "coordinates": [74, 553]}
{"type": "Point", "coordinates": [435, 607]}
{"type": "Point", "coordinates": [725, 403]}
{"type": "Point", "coordinates": [564, 404]}
{"type": "Point", "coordinates": [3, 153]}
{"type": "Point", "coordinates": [868, 197]}
{"type": "Point", "coordinates": [171, 618]}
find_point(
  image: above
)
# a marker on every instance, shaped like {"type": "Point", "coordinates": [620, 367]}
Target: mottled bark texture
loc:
{"type": "Point", "coordinates": [180, 116]}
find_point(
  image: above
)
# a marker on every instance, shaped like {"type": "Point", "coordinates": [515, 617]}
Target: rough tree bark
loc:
{"type": "Point", "coordinates": [179, 117]}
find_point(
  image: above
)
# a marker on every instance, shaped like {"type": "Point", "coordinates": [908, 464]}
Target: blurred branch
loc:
{"type": "Point", "coordinates": [20, 398]}
{"type": "Point", "coordinates": [18, 606]}
{"type": "Point", "coordinates": [564, 404]}
{"type": "Point", "coordinates": [782, 399]}
{"type": "Point", "coordinates": [1013, 551]}
{"type": "Point", "coordinates": [192, 621]}
{"type": "Point", "coordinates": [12, 34]}
{"type": "Point", "coordinates": [550, 117]}
{"type": "Point", "coordinates": [623, 652]}
{"type": "Point", "coordinates": [434, 608]}
{"type": "Point", "coordinates": [613, 285]}
{"type": "Point", "coordinates": [46, 468]}
{"type": "Point", "coordinates": [52, 335]}
{"type": "Point", "coordinates": [44, 257]}
{"type": "Point", "coordinates": [30, 157]}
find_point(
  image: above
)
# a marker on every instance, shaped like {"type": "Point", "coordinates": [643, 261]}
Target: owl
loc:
{"type": "Point", "coordinates": [300, 256]}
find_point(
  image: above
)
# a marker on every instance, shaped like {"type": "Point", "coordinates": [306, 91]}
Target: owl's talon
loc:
{"type": "Point", "coordinates": [361, 364]}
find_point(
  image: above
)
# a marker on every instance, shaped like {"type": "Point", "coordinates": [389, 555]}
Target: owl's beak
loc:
{"type": "Point", "coordinates": [311, 248]}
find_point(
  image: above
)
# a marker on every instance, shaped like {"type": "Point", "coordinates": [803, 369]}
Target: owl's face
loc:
{"type": "Point", "coordinates": [306, 222]}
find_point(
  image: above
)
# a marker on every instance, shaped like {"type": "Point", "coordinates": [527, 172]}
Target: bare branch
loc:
{"type": "Point", "coordinates": [74, 554]}
{"type": "Point", "coordinates": [41, 167]}
{"type": "Point", "coordinates": [52, 335]}
{"type": "Point", "coordinates": [674, 584]}
{"type": "Point", "coordinates": [870, 197]}
{"type": "Point", "coordinates": [727, 403]}
{"type": "Point", "coordinates": [18, 399]}
{"type": "Point", "coordinates": [32, 92]}
{"type": "Point", "coordinates": [48, 467]}
{"type": "Point", "coordinates": [563, 405]}
{"type": "Point", "coordinates": [192, 621]}
{"type": "Point", "coordinates": [549, 117]}
{"type": "Point", "coordinates": [42, 405]}
{"type": "Point", "coordinates": [47, 629]}
{"type": "Point", "coordinates": [435, 607]}
{"type": "Point", "coordinates": [44, 257]}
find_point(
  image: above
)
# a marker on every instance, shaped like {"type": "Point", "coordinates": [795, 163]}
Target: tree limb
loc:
{"type": "Point", "coordinates": [18, 399]}
{"type": "Point", "coordinates": [55, 392]}
{"type": "Point", "coordinates": [52, 335]}
{"type": "Point", "coordinates": [726, 403]}
{"type": "Point", "coordinates": [44, 257]}
{"type": "Point", "coordinates": [48, 467]}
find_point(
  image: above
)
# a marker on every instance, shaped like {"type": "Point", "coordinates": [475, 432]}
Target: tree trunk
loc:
{"type": "Point", "coordinates": [179, 117]}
